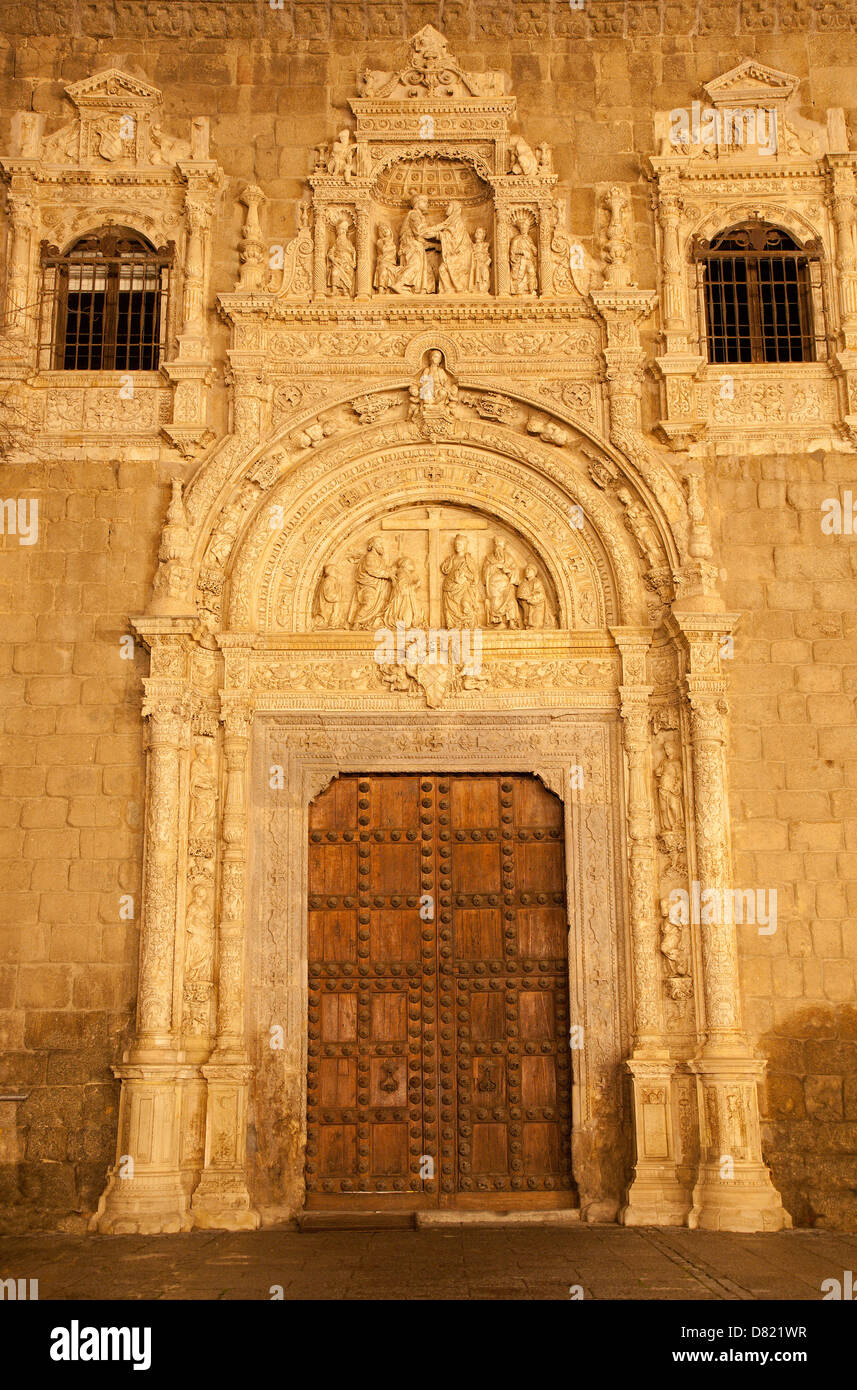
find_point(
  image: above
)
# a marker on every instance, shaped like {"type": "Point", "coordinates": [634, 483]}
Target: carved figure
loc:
{"type": "Point", "coordinates": [523, 278]}
{"type": "Point", "coordinates": [372, 585]}
{"type": "Point", "coordinates": [386, 263]}
{"type": "Point", "coordinates": [341, 158]}
{"type": "Point", "coordinates": [672, 946]}
{"type": "Point", "coordinates": [545, 159]}
{"type": "Point", "coordinates": [460, 587]}
{"type": "Point", "coordinates": [480, 264]}
{"type": "Point", "coordinates": [197, 919]}
{"type": "Point", "coordinates": [435, 386]}
{"type": "Point", "coordinates": [523, 159]}
{"type": "Point", "coordinates": [203, 792]}
{"type": "Point", "coordinates": [456, 252]}
{"type": "Point", "coordinates": [533, 599]}
{"type": "Point", "coordinates": [329, 607]}
{"type": "Point", "coordinates": [342, 261]}
{"type": "Point", "coordinates": [500, 577]}
{"type": "Point", "coordinates": [668, 778]}
{"type": "Point", "coordinates": [404, 606]}
{"type": "Point", "coordinates": [416, 275]}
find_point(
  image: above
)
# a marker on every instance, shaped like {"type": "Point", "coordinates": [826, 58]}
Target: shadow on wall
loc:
{"type": "Point", "coordinates": [809, 1123]}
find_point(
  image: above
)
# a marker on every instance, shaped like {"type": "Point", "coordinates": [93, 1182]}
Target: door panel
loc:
{"type": "Point", "coordinates": [438, 994]}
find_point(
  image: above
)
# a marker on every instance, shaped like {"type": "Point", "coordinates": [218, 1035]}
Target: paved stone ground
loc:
{"type": "Point", "coordinates": [608, 1262]}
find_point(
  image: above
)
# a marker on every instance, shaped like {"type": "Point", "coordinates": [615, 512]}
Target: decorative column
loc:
{"type": "Point", "coordinates": [843, 203]}
{"type": "Point", "coordinates": [545, 257]}
{"type": "Point", "coordinates": [733, 1191]}
{"type": "Point", "coordinates": [364, 253]}
{"type": "Point", "coordinates": [319, 256]}
{"type": "Point", "coordinates": [655, 1196]}
{"type": "Point", "coordinates": [145, 1192]}
{"type": "Point", "coordinates": [23, 218]}
{"type": "Point", "coordinates": [190, 372]}
{"type": "Point", "coordinates": [222, 1199]}
{"type": "Point", "coordinates": [502, 235]}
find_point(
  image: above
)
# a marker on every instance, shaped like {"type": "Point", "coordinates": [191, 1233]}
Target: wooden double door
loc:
{"type": "Point", "coordinates": [438, 1056]}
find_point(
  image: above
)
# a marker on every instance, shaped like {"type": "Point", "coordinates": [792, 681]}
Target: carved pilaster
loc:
{"type": "Point", "coordinates": [502, 235]}
{"type": "Point", "coordinates": [655, 1197]}
{"type": "Point", "coordinates": [733, 1189]}
{"type": "Point", "coordinates": [364, 253]}
{"type": "Point", "coordinates": [22, 208]}
{"type": "Point", "coordinates": [146, 1191]}
{"type": "Point", "coordinates": [252, 251]}
{"type": "Point", "coordinates": [222, 1199]}
{"type": "Point", "coordinates": [319, 253]}
{"type": "Point", "coordinates": [546, 227]}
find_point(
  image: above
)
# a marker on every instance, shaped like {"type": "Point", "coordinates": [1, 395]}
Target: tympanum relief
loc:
{"type": "Point", "coordinates": [435, 566]}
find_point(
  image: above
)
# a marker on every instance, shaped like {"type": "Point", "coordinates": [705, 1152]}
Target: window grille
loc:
{"type": "Point", "coordinates": [760, 297]}
{"type": "Point", "coordinates": [104, 304]}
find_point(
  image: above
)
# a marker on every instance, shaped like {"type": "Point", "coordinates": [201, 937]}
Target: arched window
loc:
{"type": "Point", "coordinates": [760, 296]}
{"type": "Point", "coordinates": [104, 303]}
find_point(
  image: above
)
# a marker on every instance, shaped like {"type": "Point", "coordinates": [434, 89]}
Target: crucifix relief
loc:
{"type": "Point", "coordinates": [433, 566]}
{"type": "Point", "coordinates": [431, 525]}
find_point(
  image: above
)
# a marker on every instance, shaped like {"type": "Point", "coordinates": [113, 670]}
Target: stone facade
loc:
{"type": "Point", "coordinates": [334, 394]}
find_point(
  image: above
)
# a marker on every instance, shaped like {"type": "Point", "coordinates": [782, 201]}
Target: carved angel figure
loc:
{"type": "Point", "coordinates": [500, 577]}
{"type": "Point", "coordinates": [460, 587]}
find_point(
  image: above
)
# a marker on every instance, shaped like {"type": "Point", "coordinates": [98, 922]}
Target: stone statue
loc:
{"type": "Point", "coordinates": [197, 960]}
{"type": "Point", "coordinates": [671, 944]}
{"type": "Point", "coordinates": [523, 159]}
{"type": "Point", "coordinates": [341, 159]}
{"type": "Point", "coordinates": [342, 261]}
{"type": "Point", "coordinates": [404, 606]}
{"type": "Point", "coordinates": [533, 600]}
{"type": "Point", "coordinates": [460, 587]}
{"type": "Point", "coordinates": [456, 252]}
{"type": "Point", "coordinates": [386, 262]}
{"type": "Point", "coordinates": [329, 607]}
{"type": "Point", "coordinates": [545, 159]}
{"type": "Point", "coordinates": [500, 577]}
{"type": "Point", "coordinates": [480, 264]}
{"type": "Point", "coordinates": [203, 792]}
{"type": "Point", "coordinates": [668, 778]}
{"type": "Point", "coordinates": [416, 275]}
{"type": "Point", "coordinates": [372, 586]}
{"type": "Point", "coordinates": [523, 262]}
{"type": "Point", "coordinates": [435, 386]}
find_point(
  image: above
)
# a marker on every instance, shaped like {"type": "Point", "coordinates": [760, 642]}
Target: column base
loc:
{"type": "Point", "coordinates": [153, 1205]}
{"type": "Point", "coordinates": [747, 1202]}
{"type": "Point", "coordinates": [655, 1198]}
{"type": "Point", "coordinates": [221, 1202]}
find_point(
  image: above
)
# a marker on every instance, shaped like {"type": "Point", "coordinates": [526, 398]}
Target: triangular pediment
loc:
{"type": "Point", "coordinates": [110, 87]}
{"type": "Point", "coordinates": [751, 83]}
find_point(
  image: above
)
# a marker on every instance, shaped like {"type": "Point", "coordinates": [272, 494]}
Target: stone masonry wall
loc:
{"type": "Point", "coordinates": [275, 83]}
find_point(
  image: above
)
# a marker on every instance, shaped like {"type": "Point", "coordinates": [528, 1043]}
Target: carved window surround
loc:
{"type": "Point", "coordinates": [112, 162]}
{"type": "Point", "coordinates": [805, 185]}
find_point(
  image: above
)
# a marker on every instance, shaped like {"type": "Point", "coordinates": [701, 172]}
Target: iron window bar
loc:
{"type": "Point", "coordinates": [760, 297]}
{"type": "Point", "coordinates": [104, 303]}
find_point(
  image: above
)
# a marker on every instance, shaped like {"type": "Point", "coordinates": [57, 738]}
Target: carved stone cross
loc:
{"type": "Point", "coordinates": [433, 523]}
